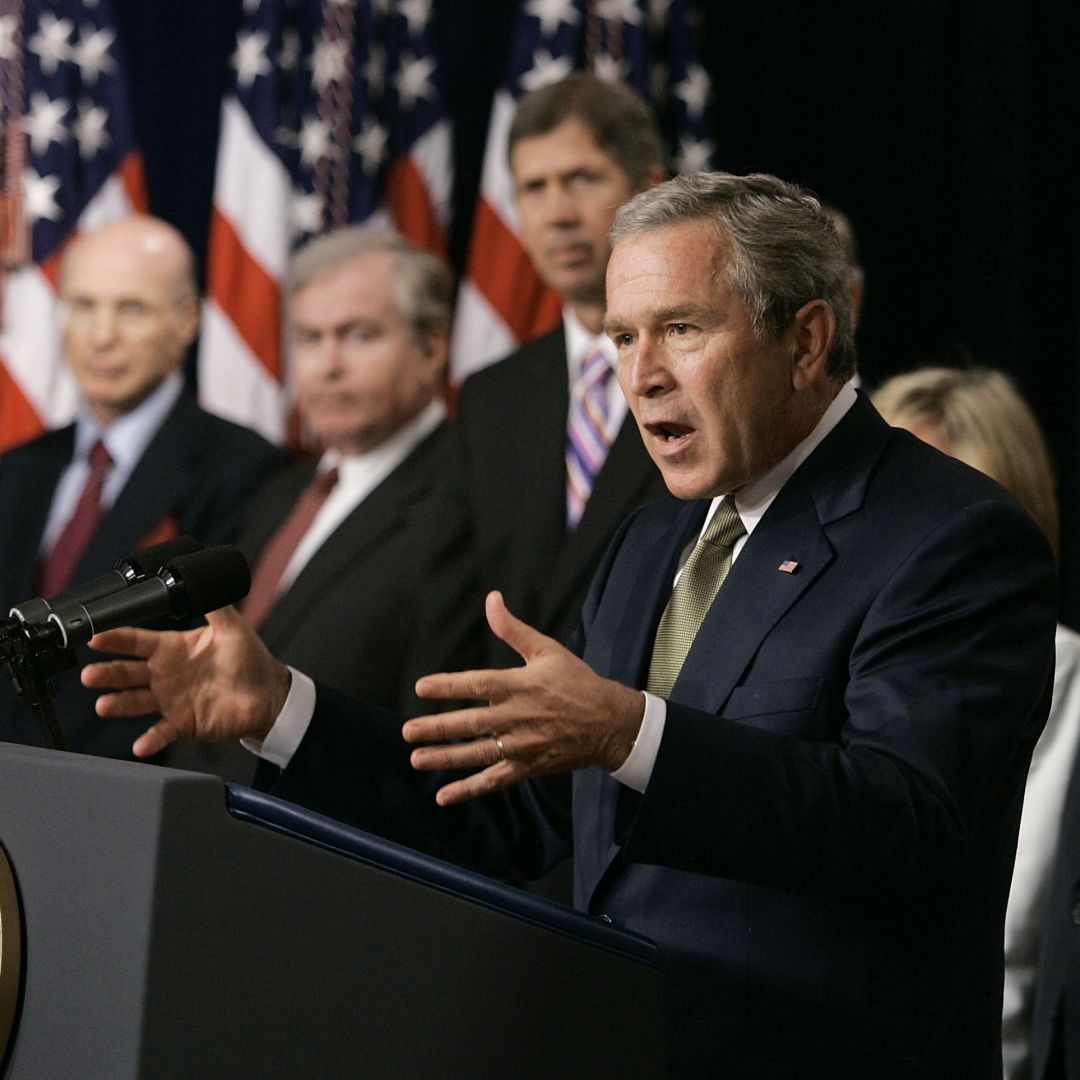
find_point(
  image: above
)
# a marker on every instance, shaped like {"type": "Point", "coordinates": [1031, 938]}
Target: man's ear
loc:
{"type": "Point", "coordinates": [812, 331]}
{"type": "Point", "coordinates": [436, 349]}
{"type": "Point", "coordinates": [188, 313]}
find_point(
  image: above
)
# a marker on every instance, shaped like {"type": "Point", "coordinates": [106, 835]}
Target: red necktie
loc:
{"type": "Point", "coordinates": [271, 564]}
{"type": "Point", "coordinates": [61, 561]}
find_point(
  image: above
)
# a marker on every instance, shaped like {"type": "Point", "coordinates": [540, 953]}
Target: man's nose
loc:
{"type": "Point", "coordinates": [645, 372]}
{"type": "Point", "coordinates": [103, 325]}
{"type": "Point", "coordinates": [561, 207]}
{"type": "Point", "coordinates": [329, 356]}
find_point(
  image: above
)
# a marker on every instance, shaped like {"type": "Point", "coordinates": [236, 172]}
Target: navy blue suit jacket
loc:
{"type": "Point", "coordinates": [824, 850]}
{"type": "Point", "coordinates": [505, 520]}
{"type": "Point", "coordinates": [349, 617]}
{"type": "Point", "coordinates": [195, 477]}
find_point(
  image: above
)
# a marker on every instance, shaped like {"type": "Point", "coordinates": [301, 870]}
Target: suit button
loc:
{"type": "Point", "coordinates": [1076, 913]}
{"type": "Point", "coordinates": [607, 918]}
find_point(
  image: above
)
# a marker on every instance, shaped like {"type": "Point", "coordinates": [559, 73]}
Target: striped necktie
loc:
{"type": "Point", "coordinates": [588, 434]}
{"type": "Point", "coordinates": [692, 596]}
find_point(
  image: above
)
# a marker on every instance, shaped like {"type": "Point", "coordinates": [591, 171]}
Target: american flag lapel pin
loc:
{"type": "Point", "coordinates": [788, 566]}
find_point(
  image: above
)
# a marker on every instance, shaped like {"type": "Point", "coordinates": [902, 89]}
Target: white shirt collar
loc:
{"type": "Point", "coordinates": [580, 342]}
{"type": "Point", "coordinates": [128, 436]}
{"type": "Point", "coordinates": [391, 450]}
{"type": "Point", "coordinates": [358, 476]}
{"type": "Point", "coordinates": [755, 498]}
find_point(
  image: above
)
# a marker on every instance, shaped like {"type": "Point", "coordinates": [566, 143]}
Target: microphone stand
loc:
{"type": "Point", "coordinates": [31, 670]}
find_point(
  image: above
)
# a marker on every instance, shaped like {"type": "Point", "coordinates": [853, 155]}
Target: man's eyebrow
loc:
{"type": "Point", "coordinates": [681, 313]}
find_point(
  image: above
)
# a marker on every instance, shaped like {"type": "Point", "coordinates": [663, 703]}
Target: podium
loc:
{"type": "Point", "coordinates": [169, 925]}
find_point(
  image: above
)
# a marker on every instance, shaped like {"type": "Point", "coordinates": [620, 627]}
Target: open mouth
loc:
{"type": "Point", "coordinates": [669, 432]}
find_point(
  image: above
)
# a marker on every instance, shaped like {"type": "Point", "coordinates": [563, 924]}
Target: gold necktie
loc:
{"type": "Point", "coordinates": [692, 596]}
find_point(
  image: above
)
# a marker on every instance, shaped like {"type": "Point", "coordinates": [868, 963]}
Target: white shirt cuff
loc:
{"type": "Point", "coordinates": [291, 724]}
{"type": "Point", "coordinates": [636, 771]}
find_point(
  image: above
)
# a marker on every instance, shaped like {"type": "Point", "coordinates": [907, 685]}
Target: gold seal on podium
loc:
{"type": "Point", "coordinates": [10, 953]}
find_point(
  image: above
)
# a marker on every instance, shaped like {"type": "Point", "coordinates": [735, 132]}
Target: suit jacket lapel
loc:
{"type": "Point", "coordinates": [162, 474]}
{"type": "Point", "coordinates": [377, 517]}
{"type": "Point", "coordinates": [271, 507]}
{"type": "Point", "coordinates": [753, 599]}
{"type": "Point", "coordinates": [632, 650]}
{"type": "Point", "coordinates": [28, 512]}
{"type": "Point", "coordinates": [628, 477]}
{"type": "Point", "coordinates": [596, 795]}
{"type": "Point", "coordinates": [545, 410]}
{"type": "Point", "coordinates": [830, 484]}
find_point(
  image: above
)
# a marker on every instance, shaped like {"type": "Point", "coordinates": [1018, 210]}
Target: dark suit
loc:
{"type": "Point", "coordinates": [195, 477]}
{"type": "Point", "coordinates": [510, 494]}
{"type": "Point", "coordinates": [1055, 1029]}
{"type": "Point", "coordinates": [824, 850]}
{"type": "Point", "coordinates": [348, 618]}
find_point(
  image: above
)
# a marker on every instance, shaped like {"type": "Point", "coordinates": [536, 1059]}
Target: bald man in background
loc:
{"type": "Point", "coordinates": [142, 462]}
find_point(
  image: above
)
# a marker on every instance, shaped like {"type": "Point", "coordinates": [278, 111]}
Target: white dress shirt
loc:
{"type": "Point", "coordinates": [358, 476]}
{"type": "Point", "coordinates": [751, 501]}
{"type": "Point", "coordinates": [1044, 798]}
{"type": "Point", "coordinates": [126, 439]}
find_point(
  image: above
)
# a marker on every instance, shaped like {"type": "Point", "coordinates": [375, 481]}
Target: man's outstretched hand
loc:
{"type": "Point", "coordinates": [216, 683]}
{"type": "Point", "coordinates": [552, 715]}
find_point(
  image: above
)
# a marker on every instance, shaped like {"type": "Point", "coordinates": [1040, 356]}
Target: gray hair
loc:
{"type": "Point", "coordinates": [845, 231]}
{"type": "Point", "coordinates": [423, 286]}
{"type": "Point", "coordinates": [784, 249]}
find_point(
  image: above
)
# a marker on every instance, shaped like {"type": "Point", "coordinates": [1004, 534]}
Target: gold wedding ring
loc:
{"type": "Point", "coordinates": [500, 747]}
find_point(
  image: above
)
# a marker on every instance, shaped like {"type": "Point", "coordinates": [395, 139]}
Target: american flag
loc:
{"type": "Point", "coordinates": [648, 44]}
{"type": "Point", "coordinates": [334, 115]}
{"type": "Point", "coordinates": [68, 162]}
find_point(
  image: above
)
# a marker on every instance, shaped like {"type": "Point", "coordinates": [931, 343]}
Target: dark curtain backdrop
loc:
{"type": "Point", "coordinates": [948, 131]}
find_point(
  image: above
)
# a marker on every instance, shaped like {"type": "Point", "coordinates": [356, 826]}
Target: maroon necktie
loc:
{"type": "Point", "coordinates": [266, 577]}
{"type": "Point", "coordinates": [61, 561]}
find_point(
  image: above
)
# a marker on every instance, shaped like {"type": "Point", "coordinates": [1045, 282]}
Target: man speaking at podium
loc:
{"type": "Point", "coordinates": [800, 706]}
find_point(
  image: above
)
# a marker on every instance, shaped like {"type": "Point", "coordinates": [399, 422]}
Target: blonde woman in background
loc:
{"type": "Point", "coordinates": [978, 416]}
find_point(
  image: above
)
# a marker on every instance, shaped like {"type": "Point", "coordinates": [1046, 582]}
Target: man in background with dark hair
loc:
{"type": "Point", "coordinates": [550, 462]}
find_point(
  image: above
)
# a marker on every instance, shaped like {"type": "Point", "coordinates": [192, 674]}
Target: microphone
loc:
{"type": "Point", "coordinates": [190, 584]}
{"type": "Point", "coordinates": [138, 566]}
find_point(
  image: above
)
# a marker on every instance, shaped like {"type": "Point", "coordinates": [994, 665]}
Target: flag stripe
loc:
{"type": "Point", "coordinates": [478, 334]}
{"type": "Point", "coordinates": [80, 170]}
{"type": "Point", "coordinates": [411, 206]}
{"type": "Point", "coordinates": [19, 420]}
{"type": "Point", "coordinates": [251, 189]}
{"type": "Point", "coordinates": [506, 278]}
{"type": "Point", "coordinates": [237, 384]}
{"type": "Point", "coordinates": [289, 164]}
{"type": "Point", "coordinates": [133, 174]}
{"type": "Point", "coordinates": [240, 286]}
{"type": "Point", "coordinates": [634, 42]}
